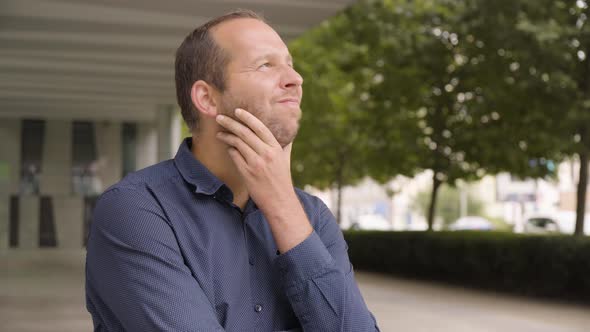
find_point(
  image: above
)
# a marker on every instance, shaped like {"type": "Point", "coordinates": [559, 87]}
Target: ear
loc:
{"type": "Point", "coordinates": [203, 97]}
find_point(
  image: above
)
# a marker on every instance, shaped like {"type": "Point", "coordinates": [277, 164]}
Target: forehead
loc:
{"type": "Point", "coordinates": [247, 38]}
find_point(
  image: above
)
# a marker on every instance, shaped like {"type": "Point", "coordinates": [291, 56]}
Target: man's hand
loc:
{"type": "Point", "coordinates": [259, 158]}
{"type": "Point", "coordinates": [265, 168]}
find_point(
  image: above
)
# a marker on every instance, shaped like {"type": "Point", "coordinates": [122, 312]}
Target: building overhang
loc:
{"type": "Point", "coordinates": [113, 59]}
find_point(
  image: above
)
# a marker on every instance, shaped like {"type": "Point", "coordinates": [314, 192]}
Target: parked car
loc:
{"type": "Point", "coordinates": [471, 223]}
{"type": "Point", "coordinates": [541, 225]}
{"type": "Point", "coordinates": [371, 222]}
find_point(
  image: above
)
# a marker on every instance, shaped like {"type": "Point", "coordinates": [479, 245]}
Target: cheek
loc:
{"type": "Point", "coordinates": [254, 92]}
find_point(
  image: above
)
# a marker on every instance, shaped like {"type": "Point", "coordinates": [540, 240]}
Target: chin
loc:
{"type": "Point", "coordinates": [285, 131]}
{"type": "Point", "coordinates": [285, 138]}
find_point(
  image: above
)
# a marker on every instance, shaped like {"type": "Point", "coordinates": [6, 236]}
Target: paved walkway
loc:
{"type": "Point", "coordinates": [44, 291]}
{"type": "Point", "coordinates": [404, 305]}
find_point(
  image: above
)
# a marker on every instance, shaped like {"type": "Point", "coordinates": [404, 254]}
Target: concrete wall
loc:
{"type": "Point", "coordinates": [4, 221]}
{"type": "Point", "coordinates": [28, 231]}
{"type": "Point", "coordinates": [10, 146]}
{"type": "Point", "coordinates": [108, 147]}
{"type": "Point", "coordinates": [69, 217]}
{"type": "Point", "coordinates": [147, 145]}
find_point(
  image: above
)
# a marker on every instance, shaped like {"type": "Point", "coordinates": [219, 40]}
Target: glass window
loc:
{"type": "Point", "coordinates": [14, 217]}
{"type": "Point", "coordinates": [32, 135]}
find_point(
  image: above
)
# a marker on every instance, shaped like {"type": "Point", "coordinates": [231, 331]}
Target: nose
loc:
{"type": "Point", "coordinates": [291, 78]}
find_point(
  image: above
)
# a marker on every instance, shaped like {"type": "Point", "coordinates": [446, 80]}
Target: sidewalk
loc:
{"type": "Point", "coordinates": [44, 291]}
{"type": "Point", "coordinates": [405, 305]}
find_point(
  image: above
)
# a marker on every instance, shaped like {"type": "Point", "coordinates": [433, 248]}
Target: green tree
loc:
{"type": "Point", "coordinates": [561, 36]}
{"type": "Point", "coordinates": [332, 142]}
{"type": "Point", "coordinates": [540, 80]}
{"type": "Point", "coordinates": [401, 86]}
{"type": "Point", "coordinates": [444, 97]}
{"type": "Point", "coordinates": [449, 208]}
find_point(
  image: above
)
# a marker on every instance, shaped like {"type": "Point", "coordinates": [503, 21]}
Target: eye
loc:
{"type": "Point", "coordinates": [265, 65]}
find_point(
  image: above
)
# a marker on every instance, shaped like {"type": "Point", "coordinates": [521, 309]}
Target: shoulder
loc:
{"type": "Point", "coordinates": [316, 210]}
{"type": "Point", "coordinates": [133, 195]}
{"type": "Point", "coordinates": [321, 218]}
{"type": "Point", "coordinates": [309, 201]}
{"type": "Point", "coordinates": [144, 179]}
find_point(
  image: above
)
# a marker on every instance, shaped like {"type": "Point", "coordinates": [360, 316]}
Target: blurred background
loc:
{"type": "Point", "coordinates": [450, 138]}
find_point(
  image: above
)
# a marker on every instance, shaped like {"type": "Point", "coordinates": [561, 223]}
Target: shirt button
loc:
{"type": "Point", "coordinates": [258, 308]}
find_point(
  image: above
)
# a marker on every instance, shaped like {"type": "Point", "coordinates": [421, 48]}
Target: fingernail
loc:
{"type": "Point", "coordinates": [219, 117]}
{"type": "Point", "coordinates": [238, 111]}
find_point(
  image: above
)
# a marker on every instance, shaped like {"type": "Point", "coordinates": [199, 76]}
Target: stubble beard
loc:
{"type": "Point", "coordinates": [229, 104]}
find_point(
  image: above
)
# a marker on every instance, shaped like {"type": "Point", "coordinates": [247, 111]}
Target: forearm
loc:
{"type": "Point", "coordinates": [287, 220]}
{"type": "Point", "coordinates": [323, 295]}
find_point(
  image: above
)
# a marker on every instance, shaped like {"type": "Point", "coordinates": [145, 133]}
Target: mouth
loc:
{"type": "Point", "coordinates": [289, 101]}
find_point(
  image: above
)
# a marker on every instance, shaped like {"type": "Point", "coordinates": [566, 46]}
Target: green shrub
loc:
{"type": "Point", "coordinates": [545, 266]}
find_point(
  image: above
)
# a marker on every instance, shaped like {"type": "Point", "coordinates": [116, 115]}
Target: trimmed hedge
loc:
{"type": "Point", "coordinates": [533, 265]}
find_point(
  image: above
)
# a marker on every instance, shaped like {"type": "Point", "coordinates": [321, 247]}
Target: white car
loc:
{"type": "Point", "coordinates": [541, 225]}
{"type": "Point", "coordinates": [471, 223]}
{"type": "Point", "coordinates": [371, 222]}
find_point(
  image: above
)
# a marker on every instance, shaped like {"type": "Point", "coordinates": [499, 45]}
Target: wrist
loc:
{"type": "Point", "coordinates": [278, 205]}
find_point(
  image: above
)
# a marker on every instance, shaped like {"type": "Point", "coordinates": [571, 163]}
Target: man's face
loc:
{"type": "Point", "coordinates": [260, 77]}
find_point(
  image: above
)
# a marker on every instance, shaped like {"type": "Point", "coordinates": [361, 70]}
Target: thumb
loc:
{"type": "Point", "coordinates": [287, 152]}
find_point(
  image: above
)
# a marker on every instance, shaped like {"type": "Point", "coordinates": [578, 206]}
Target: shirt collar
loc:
{"type": "Point", "coordinates": [195, 173]}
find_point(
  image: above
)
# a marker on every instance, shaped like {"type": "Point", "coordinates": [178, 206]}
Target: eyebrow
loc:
{"type": "Point", "coordinates": [289, 58]}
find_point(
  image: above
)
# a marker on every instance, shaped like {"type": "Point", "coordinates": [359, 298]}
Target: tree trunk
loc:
{"type": "Point", "coordinates": [339, 184]}
{"type": "Point", "coordinates": [432, 207]}
{"type": "Point", "coordinates": [581, 195]}
{"type": "Point", "coordinates": [583, 154]}
{"type": "Point", "coordinates": [339, 202]}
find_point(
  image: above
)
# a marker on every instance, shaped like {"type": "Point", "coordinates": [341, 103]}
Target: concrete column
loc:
{"type": "Point", "coordinates": [168, 131]}
{"type": "Point", "coordinates": [28, 231]}
{"type": "Point", "coordinates": [69, 220]}
{"type": "Point", "coordinates": [4, 220]}
{"type": "Point", "coordinates": [176, 132]}
{"type": "Point", "coordinates": [147, 144]}
{"type": "Point", "coordinates": [108, 147]}
{"type": "Point", "coordinates": [10, 149]}
{"type": "Point", "coordinates": [56, 167]}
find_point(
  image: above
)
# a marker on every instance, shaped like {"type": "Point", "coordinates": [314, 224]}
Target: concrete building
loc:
{"type": "Point", "coordinates": [87, 95]}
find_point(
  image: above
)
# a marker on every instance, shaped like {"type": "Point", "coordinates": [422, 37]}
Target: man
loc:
{"type": "Point", "coordinates": [217, 239]}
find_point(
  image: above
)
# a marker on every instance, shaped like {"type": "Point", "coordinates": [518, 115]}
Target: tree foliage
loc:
{"type": "Point", "coordinates": [463, 88]}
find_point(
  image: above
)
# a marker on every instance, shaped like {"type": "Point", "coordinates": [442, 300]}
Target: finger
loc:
{"type": "Point", "coordinates": [234, 141]}
{"type": "Point", "coordinates": [243, 132]}
{"type": "Point", "coordinates": [259, 128]}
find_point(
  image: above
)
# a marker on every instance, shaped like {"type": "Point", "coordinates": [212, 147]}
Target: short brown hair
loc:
{"type": "Point", "coordinates": [200, 58]}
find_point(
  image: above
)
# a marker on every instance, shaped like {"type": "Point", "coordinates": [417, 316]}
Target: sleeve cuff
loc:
{"type": "Point", "coordinates": [305, 261]}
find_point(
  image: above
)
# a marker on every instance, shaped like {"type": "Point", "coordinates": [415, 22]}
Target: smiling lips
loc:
{"type": "Point", "coordinates": [289, 101]}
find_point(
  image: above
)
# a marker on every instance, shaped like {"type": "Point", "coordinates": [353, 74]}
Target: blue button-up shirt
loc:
{"type": "Point", "coordinates": [169, 251]}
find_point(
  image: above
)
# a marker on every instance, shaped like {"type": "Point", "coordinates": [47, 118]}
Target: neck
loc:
{"type": "Point", "coordinates": [212, 153]}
